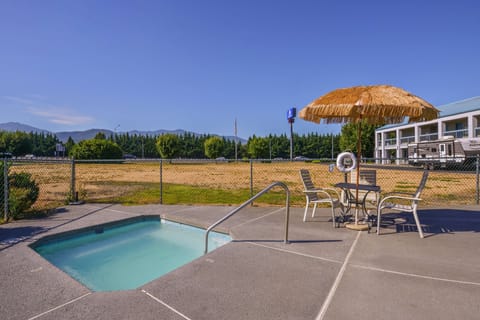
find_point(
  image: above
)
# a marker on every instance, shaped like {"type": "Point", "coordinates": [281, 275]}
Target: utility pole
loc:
{"type": "Point", "coordinates": [115, 133]}
{"type": "Point", "coordinates": [270, 146]}
{"type": "Point", "coordinates": [236, 140]}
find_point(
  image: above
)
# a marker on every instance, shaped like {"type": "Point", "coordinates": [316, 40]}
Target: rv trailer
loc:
{"type": "Point", "coordinates": [447, 152]}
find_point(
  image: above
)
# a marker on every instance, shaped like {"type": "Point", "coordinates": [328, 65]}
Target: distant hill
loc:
{"type": "Point", "coordinates": [89, 134]}
{"type": "Point", "coordinates": [16, 126]}
{"type": "Point", "coordinates": [78, 136]}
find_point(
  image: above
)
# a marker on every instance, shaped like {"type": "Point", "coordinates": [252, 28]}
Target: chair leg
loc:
{"type": "Point", "coordinates": [379, 213]}
{"type": "Point", "coordinates": [333, 215]}
{"type": "Point", "coordinates": [305, 213]}
{"type": "Point", "coordinates": [314, 208]}
{"type": "Point", "coordinates": [417, 221]}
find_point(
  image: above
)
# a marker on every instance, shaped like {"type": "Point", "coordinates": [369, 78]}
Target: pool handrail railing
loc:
{"type": "Point", "coordinates": [243, 205]}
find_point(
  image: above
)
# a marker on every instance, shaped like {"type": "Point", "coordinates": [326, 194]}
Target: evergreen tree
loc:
{"type": "Point", "coordinates": [100, 136]}
{"type": "Point", "coordinates": [69, 145]}
{"type": "Point", "coordinates": [349, 138]}
{"type": "Point", "coordinates": [17, 143]}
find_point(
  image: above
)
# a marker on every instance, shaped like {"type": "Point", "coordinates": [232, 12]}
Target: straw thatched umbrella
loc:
{"type": "Point", "coordinates": [379, 104]}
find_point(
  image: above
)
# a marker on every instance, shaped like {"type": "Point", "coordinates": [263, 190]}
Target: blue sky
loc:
{"type": "Point", "coordinates": [198, 65]}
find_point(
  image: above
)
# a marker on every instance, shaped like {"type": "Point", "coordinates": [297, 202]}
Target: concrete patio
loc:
{"type": "Point", "coordinates": [323, 273]}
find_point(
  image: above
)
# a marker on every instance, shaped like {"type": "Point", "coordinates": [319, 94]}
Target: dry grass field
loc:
{"type": "Point", "coordinates": [110, 181]}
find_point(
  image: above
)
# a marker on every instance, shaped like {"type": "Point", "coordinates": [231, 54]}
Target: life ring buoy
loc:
{"type": "Point", "coordinates": [340, 162]}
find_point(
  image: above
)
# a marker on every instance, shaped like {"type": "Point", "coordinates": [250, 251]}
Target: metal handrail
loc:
{"type": "Point", "coordinates": [243, 205]}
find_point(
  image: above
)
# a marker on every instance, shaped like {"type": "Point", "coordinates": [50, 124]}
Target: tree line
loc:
{"type": "Point", "coordinates": [190, 146]}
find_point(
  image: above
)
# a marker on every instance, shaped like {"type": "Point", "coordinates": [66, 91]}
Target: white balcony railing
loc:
{"type": "Point", "coordinates": [457, 133]}
{"type": "Point", "coordinates": [477, 132]}
{"type": "Point", "coordinates": [391, 142]}
{"type": "Point", "coordinates": [406, 140]}
{"type": "Point", "coordinates": [428, 136]}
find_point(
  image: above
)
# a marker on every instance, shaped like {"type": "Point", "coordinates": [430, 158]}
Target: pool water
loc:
{"type": "Point", "coordinates": [126, 256]}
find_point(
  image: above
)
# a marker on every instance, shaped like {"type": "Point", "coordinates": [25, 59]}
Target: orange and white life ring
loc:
{"type": "Point", "coordinates": [341, 162]}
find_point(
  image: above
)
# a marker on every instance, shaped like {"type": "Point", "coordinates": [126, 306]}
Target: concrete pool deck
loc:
{"type": "Point", "coordinates": [323, 273]}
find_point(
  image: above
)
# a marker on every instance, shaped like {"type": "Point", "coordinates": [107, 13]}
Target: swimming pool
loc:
{"type": "Point", "coordinates": [126, 254]}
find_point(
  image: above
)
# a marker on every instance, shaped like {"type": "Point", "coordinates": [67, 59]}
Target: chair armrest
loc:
{"type": "Point", "coordinates": [333, 190]}
{"type": "Point", "coordinates": [388, 194]}
{"type": "Point", "coordinates": [326, 191]}
{"type": "Point", "coordinates": [398, 198]}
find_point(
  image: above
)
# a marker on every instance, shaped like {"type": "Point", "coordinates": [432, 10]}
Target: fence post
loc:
{"type": "Point", "coordinates": [5, 188]}
{"type": "Point", "coordinates": [251, 180]}
{"type": "Point", "coordinates": [477, 198]}
{"type": "Point", "coordinates": [161, 181]}
{"type": "Point", "coordinates": [73, 197]}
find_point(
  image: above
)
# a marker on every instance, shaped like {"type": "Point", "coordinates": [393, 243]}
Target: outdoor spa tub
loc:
{"type": "Point", "coordinates": [126, 254]}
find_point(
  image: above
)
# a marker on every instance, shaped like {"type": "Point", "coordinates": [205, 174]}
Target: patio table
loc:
{"type": "Point", "coordinates": [350, 198]}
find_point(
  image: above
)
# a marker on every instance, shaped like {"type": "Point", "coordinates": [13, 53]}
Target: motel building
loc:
{"type": "Point", "coordinates": [458, 121]}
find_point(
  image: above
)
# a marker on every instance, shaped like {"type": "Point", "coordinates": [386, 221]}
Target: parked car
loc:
{"type": "Point", "coordinates": [301, 158]}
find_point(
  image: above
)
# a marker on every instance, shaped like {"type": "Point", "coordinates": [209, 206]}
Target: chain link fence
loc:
{"type": "Point", "coordinates": [222, 182]}
{"type": "Point", "coordinates": [33, 186]}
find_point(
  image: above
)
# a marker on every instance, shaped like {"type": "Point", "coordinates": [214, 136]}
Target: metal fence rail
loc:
{"type": "Point", "coordinates": [228, 182]}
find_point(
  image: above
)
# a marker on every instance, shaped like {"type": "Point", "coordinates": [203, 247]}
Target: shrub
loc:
{"type": "Point", "coordinates": [168, 145]}
{"type": "Point", "coordinates": [96, 149]}
{"type": "Point", "coordinates": [23, 192]}
{"type": "Point", "coordinates": [214, 147]}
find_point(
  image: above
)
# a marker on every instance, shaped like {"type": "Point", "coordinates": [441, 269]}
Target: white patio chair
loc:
{"type": "Point", "coordinates": [403, 202]}
{"type": "Point", "coordinates": [319, 195]}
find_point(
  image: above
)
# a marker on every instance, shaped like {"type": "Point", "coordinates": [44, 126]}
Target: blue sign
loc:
{"type": "Point", "coordinates": [291, 113]}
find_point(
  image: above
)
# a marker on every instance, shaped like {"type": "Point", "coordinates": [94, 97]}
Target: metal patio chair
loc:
{"type": "Point", "coordinates": [368, 177]}
{"type": "Point", "coordinates": [403, 202]}
{"type": "Point", "coordinates": [319, 195]}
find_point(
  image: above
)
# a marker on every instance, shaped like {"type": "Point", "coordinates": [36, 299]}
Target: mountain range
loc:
{"type": "Point", "coordinates": [78, 136]}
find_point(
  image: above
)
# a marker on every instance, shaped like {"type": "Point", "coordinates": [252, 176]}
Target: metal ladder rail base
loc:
{"type": "Point", "coordinates": [243, 205]}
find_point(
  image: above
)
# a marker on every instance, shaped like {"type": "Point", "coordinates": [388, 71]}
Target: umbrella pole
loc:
{"type": "Point", "coordinates": [359, 158]}
{"type": "Point", "coordinates": [356, 225]}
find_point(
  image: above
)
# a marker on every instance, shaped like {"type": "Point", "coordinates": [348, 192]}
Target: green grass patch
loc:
{"type": "Point", "coordinates": [405, 187]}
{"type": "Point", "coordinates": [448, 197]}
{"type": "Point", "coordinates": [185, 194]}
{"type": "Point", "coordinates": [444, 179]}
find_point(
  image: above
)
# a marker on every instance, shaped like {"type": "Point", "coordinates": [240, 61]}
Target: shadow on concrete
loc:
{"type": "Point", "coordinates": [435, 221]}
{"type": "Point", "coordinates": [9, 236]}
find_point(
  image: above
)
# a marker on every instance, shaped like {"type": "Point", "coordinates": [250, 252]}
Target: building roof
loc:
{"type": "Point", "coordinates": [449, 109]}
